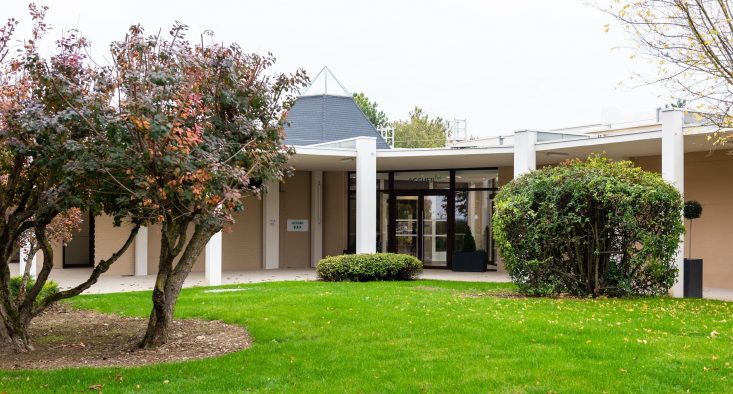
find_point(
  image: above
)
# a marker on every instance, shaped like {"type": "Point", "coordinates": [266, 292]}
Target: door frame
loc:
{"type": "Point", "coordinates": [90, 216]}
{"type": "Point", "coordinates": [421, 194]}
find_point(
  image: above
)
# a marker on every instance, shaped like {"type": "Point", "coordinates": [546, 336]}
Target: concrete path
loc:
{"type": "Point", "coordinates": [115, 283]}
{"type": "Point", "coordinates": [489, 276]}
{"type": "Point", "coordinates": [67, 278]}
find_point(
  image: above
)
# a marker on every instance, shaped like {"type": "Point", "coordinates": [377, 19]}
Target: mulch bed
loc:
{"type": "Point", "coordinates": [65, 337]}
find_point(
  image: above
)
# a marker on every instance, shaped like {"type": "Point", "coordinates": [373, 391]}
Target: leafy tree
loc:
{"type": "Point", "coordinates": [372, 111]}
{"type": "Point", "coordinates": [420, 131]}
{"type": "Point", "coordinates": [589, 228]}
{"type": "Point", "coordinates": [51, 112]}
{"type": "Point", "coordinates": [690, 41]}
{"type": "Point", "coordinates": [680, 103]}
{"type": "Point", "coordinates": [203, 128]}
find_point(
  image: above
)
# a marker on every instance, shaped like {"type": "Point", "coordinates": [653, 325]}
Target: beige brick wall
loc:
{"type": "Point", "coordinates": [706, 180]}
{"type": "Point", "coordinates": [242, 241]}
{"type": "Point", "coordinates": [335, 213]}
{"type": "Point", "coordinates": [109, 239]}
{"type": "Point", "coordinates": [295, 200]}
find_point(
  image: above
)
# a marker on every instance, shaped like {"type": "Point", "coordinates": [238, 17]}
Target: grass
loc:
{"type": "Point", "coordinates": [426, 336]}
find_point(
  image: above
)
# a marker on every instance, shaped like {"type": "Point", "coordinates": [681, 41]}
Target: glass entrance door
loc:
{"type": "Point", "coordinates": [421, 227]}
{"type": "Point", "coordinates": [434, 230]}
{"type": "Point", "coordinates": [406, 225]}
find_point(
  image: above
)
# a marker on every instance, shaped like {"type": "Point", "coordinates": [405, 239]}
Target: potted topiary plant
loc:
{"type": "Point", "coordinates": [692, 287]}
{"type": "Point", "coordinates": [469, 259]}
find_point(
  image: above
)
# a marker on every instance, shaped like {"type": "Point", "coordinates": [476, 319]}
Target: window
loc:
{"type": "Point", "coordinates": [467, 208]}
{"type": "Point", "coordinates": [477, 179]}
{"type": "Point", "coordinates": [422, 180]}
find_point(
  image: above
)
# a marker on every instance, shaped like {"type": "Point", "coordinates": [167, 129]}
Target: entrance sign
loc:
{"type": "Point", "coordinates": [297, 225]}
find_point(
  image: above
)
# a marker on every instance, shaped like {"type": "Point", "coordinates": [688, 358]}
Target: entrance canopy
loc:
{"type": "Point", "coordinates": [341, 155]}
{"type": "Point", "coordinates": [325, 158]}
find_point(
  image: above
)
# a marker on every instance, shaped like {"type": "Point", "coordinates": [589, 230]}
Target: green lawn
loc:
{"type": "Point", "coordinates": [427, 336]}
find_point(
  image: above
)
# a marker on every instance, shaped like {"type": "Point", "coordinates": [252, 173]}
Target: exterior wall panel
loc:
{"type": "Point", "coordinates": [335, 213]}
{"type": "Point", "coordinates": [295, 200]}
{"type": "Point", "coordinates": [107, 240]}
{"type": "Point", "coordinates": [242, 241]}
{"type": "Point", "coordinates": [705, 181]}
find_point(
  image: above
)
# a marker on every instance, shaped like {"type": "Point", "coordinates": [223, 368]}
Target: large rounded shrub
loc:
{"type": "Point", "coordinates": [367, 267]}
{"type": "Point", "coordinates": [589, 228]}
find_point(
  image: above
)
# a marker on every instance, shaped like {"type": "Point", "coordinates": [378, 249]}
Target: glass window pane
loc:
{"type": "Point", "coordinates": [421, 180]}
{"type": "Point", "coordinates": [382, 181]}
{"type": "Point", "coordinates": [473, 211]}
{"type": "Point", "coordinates": [407, 207]}
{"type": "Point", "coordinates": [474, 179]}
{"type": "Point", "coordinates": [435, 226]}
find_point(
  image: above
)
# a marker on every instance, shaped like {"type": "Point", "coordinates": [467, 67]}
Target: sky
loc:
{"type": "Point", "coordinates": [500, 65]}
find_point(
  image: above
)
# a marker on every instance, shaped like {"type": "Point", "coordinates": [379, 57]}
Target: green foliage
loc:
{"type": "Point", "coordinates": [368, 267]}
{"type": "Point", "coordinates": [420, 131]}
{"type": "Point", "coordinates": [589, 228]}
{"type": "Point", "coordinates": [49, 288]}
{"type": "Point", "coordinates": [371, 111]}
{"type": "Point", "coordinates": [54, 109]}
{"type": "Point", "coordinates": [469, 243]}
{"type": "Point", "coordinates": [693, 210]}
{"type": "Point", "coordinates": [680, 103]}
{"type": "Point", "coordinates": [202, 128]}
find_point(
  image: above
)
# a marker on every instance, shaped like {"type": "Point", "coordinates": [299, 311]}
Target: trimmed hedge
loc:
{"type": "Point", "coordinates": [591, 227]}
{"type": "Point", "coordinates": [49, 288]}
{"type": "Point", "coordinates": [367, 267]}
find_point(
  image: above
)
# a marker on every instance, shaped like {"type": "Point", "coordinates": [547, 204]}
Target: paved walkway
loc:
{"type": "Point", "coordinates": [67, 278]}
{"type": "Point", "coordinates": [116, 283]}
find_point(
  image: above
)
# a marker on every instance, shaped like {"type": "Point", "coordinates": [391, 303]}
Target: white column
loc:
{"type": "Point", "coordinates": [141, 252]}
{"type": "Point", "coordinates": [23, 260]}
{"type": "Point", "coordinates": [673, 171]}
{"type": "Point", "coordinates": [213, 260]}
{"type": "Point", "coordinates": [316, 225]}
{"type": "Point", "coordinates": [271, 226]}
{"type": "Point", "coordinates": [525, 156]}
{"type": "Point", "coordinates": [366, 195]}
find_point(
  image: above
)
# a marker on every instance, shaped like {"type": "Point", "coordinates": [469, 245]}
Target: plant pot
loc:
{"type": "Point", "coordinates": [692, 273]}
{"type": "Point", "coordinates": [469, 261]}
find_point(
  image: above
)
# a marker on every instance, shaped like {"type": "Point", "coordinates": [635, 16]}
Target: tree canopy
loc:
{"type": "Point", "coordinates": [201, 128]}
{"type": "Point", "coordinates": [690, 42]}
{"type": "Point", "coordinates": [370, 108]}
{"type": "Point", "coordinates": [53, 111]}
{"type": "Point", "coordinates": [420, 131]}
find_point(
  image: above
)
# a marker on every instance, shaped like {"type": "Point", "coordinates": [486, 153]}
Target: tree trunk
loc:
{"type": "Point", "coordinates": [160, 318]}
{"type": "Point", "coordinates": [14, 334]}
{"type": "Point", "coordinates": [16, 315]}
{"type": "Point", "coordinates": [170, 280]}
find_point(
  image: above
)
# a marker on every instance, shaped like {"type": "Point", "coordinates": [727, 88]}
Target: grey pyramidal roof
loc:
{"type": "Point", "coordinates": [326, 118]}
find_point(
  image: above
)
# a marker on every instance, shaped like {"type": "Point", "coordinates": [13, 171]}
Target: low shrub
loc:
{"type": "Point", "coordinates": [367, 267]}
{"type": "Point", "coordinates": [591, 227]}
{"type": "Point", "coordinates": [49, 288]}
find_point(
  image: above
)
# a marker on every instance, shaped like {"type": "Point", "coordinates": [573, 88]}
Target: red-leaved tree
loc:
{"type": "Point", "coordinates": [202, 129]}
{"type": "Point", "coordinates": [52, 112]}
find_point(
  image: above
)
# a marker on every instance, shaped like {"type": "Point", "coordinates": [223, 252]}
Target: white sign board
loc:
{"type": "Point", "coordinates": [297, 225]}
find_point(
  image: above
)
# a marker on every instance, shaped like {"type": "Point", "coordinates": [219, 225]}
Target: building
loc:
{"type": "Point", "coordinates": [352, 193]}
